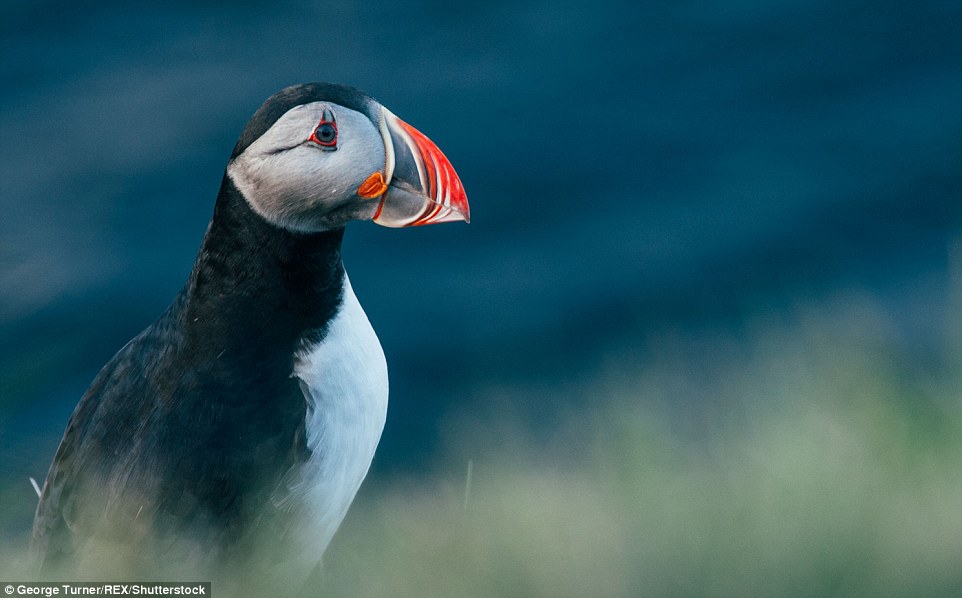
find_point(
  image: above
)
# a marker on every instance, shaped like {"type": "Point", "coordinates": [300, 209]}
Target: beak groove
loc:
{"type": "Point", "coordinates": [423, 187]}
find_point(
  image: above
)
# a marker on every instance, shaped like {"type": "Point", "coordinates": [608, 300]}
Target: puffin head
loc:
{"type": "Point", "coordinates": [317, 155]}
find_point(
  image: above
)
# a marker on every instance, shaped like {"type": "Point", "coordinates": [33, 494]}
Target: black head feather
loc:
{"type": "Point", "coordinates": [279, 103]}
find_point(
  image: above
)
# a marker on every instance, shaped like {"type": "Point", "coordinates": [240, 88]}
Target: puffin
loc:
{"type": "Point", "coordinates": [233, 433]}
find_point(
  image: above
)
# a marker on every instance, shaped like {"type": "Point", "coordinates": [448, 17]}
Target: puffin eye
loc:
{"type": "Point", "coordinates": [325, 135]}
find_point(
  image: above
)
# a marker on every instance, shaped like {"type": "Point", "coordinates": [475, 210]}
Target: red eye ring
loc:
{"type": "Point", "coordinates": [325, 133]}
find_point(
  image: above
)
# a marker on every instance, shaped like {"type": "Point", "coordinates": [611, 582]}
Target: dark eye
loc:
{"type": "Point", "coordinates": [325, 135]}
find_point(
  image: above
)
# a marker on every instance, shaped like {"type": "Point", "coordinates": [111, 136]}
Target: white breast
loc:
{"type": "Point", "coordinates": [344, 380]}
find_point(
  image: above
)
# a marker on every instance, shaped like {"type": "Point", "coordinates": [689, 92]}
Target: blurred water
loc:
{"type": "Point", "coordinates": [630, 166]}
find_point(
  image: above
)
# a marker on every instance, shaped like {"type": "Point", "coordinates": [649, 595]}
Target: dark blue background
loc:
{"type": "Point", "coordinates": [631, 167]}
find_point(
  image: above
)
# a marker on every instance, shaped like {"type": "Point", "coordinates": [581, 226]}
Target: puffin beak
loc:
{"type": "Point", "coordinates": [420, 186]}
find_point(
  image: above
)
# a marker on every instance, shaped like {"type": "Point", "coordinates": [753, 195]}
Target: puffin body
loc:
{"type": "Point", "coordinates": [248, 414]}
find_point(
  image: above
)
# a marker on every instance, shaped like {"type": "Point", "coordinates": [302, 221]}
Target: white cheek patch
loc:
{"type": "Point", "coordinates": [294, 183]}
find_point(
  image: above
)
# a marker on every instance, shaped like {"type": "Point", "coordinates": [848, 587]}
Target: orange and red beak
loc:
{"type": "Point", "coordinates": [419, 185]}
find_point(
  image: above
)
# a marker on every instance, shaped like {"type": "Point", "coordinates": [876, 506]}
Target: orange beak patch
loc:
{"type": "Point", "coordinates": [373, 186]}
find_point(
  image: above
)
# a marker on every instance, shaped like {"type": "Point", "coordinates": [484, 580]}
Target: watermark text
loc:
{"type": "Point", "coordinates": [66, 588]}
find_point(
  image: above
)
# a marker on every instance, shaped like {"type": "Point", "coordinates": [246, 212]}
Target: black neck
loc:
{"type": "Point", "coordinates": [258, 287]}
{"type": "Point", "coordinates": [255, 293]}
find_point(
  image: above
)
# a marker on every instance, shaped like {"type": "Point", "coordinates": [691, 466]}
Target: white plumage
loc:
{"type": "Point", "coordinates": [345, 384]}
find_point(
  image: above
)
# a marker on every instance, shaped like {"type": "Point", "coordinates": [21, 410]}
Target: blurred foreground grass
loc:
{"type": "Point", "coordinates": [803, 457]}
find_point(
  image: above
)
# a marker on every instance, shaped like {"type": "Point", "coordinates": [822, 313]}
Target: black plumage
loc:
{"type": "Point", "coordinates": [184, 418]}
{"type": "Point", "coordinates": [182, 406]}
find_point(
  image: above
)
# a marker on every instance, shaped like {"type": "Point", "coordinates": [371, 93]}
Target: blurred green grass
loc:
{"type": "Point", "coordinates": [801, 455]}
{"type": "Point", "coordinates": [816, 459]}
